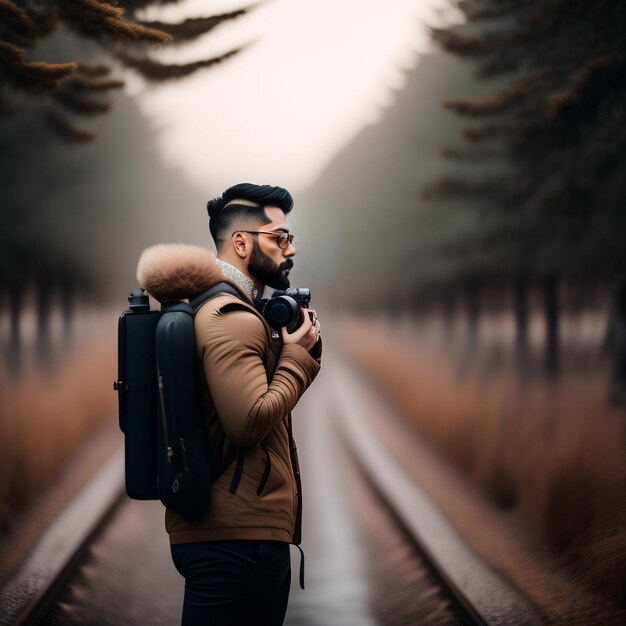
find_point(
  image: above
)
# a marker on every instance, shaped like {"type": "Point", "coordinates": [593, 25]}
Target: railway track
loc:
{"type": "Point", "coordinates": [33, 588]}
{"type": "Point", "coordinates": [38, 593]}
{"type": "Point", "coordinates": [479, 594]}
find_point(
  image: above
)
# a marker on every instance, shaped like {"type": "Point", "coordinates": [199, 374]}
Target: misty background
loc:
{"type": "Point", "coordinates": [457, 171]}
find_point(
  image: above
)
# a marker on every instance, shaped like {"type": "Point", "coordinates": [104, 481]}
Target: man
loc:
{"type": "Point", "coordinates": [235, 559]}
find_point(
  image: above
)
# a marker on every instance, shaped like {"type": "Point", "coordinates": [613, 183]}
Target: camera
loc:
{"type": "Point", "coordinates": [283, 308]}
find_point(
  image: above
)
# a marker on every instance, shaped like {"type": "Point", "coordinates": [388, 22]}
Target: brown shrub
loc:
{"type": "Point", "coordinates": [44, 418]}
{"type": "Point", "coordinates": [553, 450]}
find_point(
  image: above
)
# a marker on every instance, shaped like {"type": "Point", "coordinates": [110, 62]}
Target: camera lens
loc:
{"type": "Point", "coordinates": [281, 311]}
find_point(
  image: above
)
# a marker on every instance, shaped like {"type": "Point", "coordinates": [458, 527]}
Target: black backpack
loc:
{"type": "Point", "coordinates": [159, 406]}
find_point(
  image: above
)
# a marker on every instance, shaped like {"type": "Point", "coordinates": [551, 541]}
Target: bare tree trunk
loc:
{"type": "Point", "coordinates": [16, 303]}
{"type": "Point", "coordinates": [473, 312]}
{"type": "Point", "coordinates": [551, 311]}
{"type": "Point", "coordinates": [3, 307]}
{"type": "Point", "coordinates": [44, 309]}
{"type": "Point", "coordinates": [617, 344]}
{"type": "Point", "coordinates": [448, 310]}
{"type": "Point", "coordinates": [68, 302]}
{"type": "Point", "coordinates": [520, 311]}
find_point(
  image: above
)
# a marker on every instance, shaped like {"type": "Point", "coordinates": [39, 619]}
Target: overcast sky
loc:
{"type": "Point", "coordinates": [315, 73]}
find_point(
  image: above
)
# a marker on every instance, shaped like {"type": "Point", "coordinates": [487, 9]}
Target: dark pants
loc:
{"type": "Point", "coordinates": [230, 583]}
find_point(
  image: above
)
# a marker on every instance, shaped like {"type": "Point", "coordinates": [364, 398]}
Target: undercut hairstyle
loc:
{"type": "Point", "coordinates": [245, 203]}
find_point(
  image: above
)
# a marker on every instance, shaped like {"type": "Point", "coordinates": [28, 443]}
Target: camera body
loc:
{"type": "Point", "coordinates": [283, 308]}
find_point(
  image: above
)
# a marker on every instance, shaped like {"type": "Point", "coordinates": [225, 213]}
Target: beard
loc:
{"type": "Point", "coordinates": [264, 269]}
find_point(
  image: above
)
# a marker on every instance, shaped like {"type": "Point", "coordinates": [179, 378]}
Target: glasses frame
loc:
{"type": "Point", "coordinates": [280, 237]}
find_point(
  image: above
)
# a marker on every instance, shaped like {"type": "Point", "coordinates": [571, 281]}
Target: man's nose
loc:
{"type": "Point", "coordinates": [290, 250]}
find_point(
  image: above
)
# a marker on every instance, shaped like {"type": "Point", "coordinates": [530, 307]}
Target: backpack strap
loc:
{"type": "Point", "coordinates": [221, 464]}
{"type": "Point", "coordinates": [220, 288]}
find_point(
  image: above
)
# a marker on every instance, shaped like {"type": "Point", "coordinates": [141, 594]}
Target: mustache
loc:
{"type": "Point", "coordinates": [286, 265]}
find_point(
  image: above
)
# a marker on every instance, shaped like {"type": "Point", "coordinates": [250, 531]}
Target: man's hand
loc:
{"type": "Point", "coordinates": [306, 335]}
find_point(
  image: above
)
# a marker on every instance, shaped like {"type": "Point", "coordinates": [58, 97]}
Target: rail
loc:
{"type": "Point", "coordinates": [482, 596]}
{"type": "Point", "coordinates": [29, 593]}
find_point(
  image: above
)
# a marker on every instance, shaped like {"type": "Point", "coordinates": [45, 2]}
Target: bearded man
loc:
{"type": "Point", "coordinates": [235, 559]}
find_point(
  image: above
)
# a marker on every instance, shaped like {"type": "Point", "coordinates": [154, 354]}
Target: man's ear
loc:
{"type": "Point", "coordinates": [241, 245]}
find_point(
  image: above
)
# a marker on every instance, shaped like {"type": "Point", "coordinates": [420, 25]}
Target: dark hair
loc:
{"type": "Point", "coordinates": [222, 217]}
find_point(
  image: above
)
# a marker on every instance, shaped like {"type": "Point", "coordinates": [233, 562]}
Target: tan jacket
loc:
{"type": "Point", "coordinates": [239, 353]}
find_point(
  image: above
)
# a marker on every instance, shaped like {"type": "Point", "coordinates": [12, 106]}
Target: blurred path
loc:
{"type": "Point", "coordinates": [363, 568]}
{"type": "Point", "coordinates": [336, 591]}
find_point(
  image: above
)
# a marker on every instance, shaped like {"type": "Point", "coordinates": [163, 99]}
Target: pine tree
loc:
{"type": "Point", "coordinates": [67, 90]}
{"type": "Point", "coordinates": [560, 123]}
{"type": "Point", "coordinates": [45, 261]}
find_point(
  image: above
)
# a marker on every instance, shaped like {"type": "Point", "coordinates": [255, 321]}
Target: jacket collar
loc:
{"type": "Point", "coordinates": [171, 271]}
{"type": "Point", "coordinates": [244, 282]}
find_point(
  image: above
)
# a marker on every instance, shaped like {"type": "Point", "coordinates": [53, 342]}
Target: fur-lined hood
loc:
{"type": "Point", "coordinates": [173, 271]}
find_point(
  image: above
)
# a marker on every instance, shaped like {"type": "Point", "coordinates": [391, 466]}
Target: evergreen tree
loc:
{"type": "Point", "coordinates": [560, 123]}
{"type": "Point", "coordinates": [73, 88]}
{"type": "Point", "coordinates": [41, 249]}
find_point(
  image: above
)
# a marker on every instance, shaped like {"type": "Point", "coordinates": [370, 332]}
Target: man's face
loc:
{"type": "Point", "coordinates": [269, 263]}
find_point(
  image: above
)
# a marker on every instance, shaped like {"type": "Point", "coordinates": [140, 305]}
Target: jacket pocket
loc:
{"type": "Point", "coordinates": [273, 477]}
{"type": "Point", "coordinates": [267, 462]}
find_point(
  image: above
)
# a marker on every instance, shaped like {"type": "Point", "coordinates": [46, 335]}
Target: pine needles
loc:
{"type": "Point", "coordinates": [64, 89]}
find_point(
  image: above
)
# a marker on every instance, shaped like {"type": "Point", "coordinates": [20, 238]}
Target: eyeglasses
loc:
{"type": "Point", "coordinates": [283, 239]}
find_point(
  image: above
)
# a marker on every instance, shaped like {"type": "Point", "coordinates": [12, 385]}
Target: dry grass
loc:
{"type": "Point", "coordinates": [554, 451]}
{"type": "Point", "coordinates": [44, 417]}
